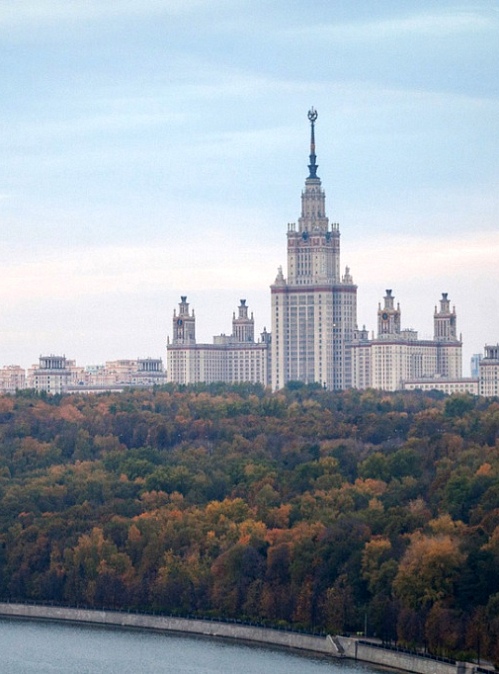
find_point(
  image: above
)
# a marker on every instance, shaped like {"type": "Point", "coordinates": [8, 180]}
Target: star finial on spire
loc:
{"type": "Point", "coordinates": [312, 116]}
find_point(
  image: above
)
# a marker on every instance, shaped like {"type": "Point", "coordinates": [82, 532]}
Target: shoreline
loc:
{"type": "Point", "coordinates": [336, 647]}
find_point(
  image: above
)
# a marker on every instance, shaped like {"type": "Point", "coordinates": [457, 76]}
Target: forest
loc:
{"type": "Point", "coordinates": [349, 512]}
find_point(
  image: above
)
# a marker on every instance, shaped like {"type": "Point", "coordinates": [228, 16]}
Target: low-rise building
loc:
{"type": "Point", "coordinates": [462, 385]}
{"type": "Point", "coordinates": [57, 374]}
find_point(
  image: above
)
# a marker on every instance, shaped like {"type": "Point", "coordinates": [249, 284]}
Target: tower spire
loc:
{"type": "Point", "coordinates": [312, 116]}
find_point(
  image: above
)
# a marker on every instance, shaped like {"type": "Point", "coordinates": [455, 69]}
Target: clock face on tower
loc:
{"type": "Point", "coordinates": [180, 322]}
{"type": "Point", "coordinates": [384, 316]}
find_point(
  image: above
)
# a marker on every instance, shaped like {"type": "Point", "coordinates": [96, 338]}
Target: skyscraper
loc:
{"type": "Point", "coordinates": [314, 309]}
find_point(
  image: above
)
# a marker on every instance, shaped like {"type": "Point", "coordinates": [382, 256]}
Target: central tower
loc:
{"type": "Point", "coordinates": [314, 309]}
{"type": "Point", "coordinates": [313, 248]}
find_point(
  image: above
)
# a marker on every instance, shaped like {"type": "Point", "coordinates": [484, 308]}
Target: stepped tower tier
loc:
{"type": "Point", "coordinates": [313, 246]}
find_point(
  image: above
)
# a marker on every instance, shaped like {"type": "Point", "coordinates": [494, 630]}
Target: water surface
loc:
{"type": "Point", "coordinates": [28, 647]}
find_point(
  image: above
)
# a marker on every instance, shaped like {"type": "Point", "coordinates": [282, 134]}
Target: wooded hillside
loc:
{"type": "Point", "coordinates": [322, 510]}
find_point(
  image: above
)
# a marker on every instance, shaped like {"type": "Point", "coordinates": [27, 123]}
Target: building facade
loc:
{"type": "Point", "coordinates": [232, 359]}
{"type": "Point", "coordinates": [396, 356]}
{"type": "Point", "coordinates": [53, 374]}
{"type": "Point", "coordinates": [489, 371]}
{"type": "Point", "coordinates": [314, 309]}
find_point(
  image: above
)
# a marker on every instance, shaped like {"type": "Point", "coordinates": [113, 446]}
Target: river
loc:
{"type": "Point", "coordinates": [28, 647]}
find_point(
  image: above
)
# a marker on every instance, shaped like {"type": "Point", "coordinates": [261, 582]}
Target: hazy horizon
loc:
{"type": "Point", "coordinates": [159, 148]}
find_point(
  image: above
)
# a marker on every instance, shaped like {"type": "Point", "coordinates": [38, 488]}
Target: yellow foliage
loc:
{"type": "Point", "coordinates": [279, 517]}
{"type": "Point", "coordinates": [444, 524]}
{"type": "Point", "coordinates": [370, 486]}
{"type": "Point", "coordinates": [251, 529]}
{"type": "Point", "coordinates": [428, 569]}
{"type": "Point", "coordinates": [376, 505]}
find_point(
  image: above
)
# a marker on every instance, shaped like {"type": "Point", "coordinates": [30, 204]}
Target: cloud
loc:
{"type": "Point", "coordinates": [22, 12]}
{"type": "Point", "coordinates": [409, 258]}
{"type": "Point", "coordinates": [100, 301]}
{"type": "Point", "coordinates": [100, 272]}
{"type": "Point", "coordinates": [185, 97]}
{"type": "Point", "coordinates": [431, 24]}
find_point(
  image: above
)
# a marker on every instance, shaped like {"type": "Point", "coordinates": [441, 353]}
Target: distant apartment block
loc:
{"type": "Point", "coordinates": [53, 374]}
{"type": "Point", "coordinates": [12, 378]}
{"type": "Point", "coordinates": [475, 364]}
{"type": "Point", "coordinates": [57, 374]}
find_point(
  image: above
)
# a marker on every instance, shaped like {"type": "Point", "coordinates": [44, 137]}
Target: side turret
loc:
{"type": "Point", "coordinates": [388, 317]}
{"type": "Point", "coordinates": [184, 324]}
{"type": "Point", "coordinates": [243, 327]}
{"type": "Point", "coordinates": [445, 322]}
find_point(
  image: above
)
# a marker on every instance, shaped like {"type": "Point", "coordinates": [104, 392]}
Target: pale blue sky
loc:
{"type": "Point", "coordinates": [155, 148]}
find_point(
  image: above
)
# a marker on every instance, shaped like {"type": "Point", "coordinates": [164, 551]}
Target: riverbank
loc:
{"type": "Point", "coordinates": [332, 646]}
{"type": "Point", "coordinates": [209, 628]}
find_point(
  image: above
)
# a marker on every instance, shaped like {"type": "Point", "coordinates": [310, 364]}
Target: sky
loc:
{"type": "Point", "coordinates": [158, 148]}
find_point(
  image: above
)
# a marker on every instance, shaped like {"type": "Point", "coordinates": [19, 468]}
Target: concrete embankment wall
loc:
{"type": "Point", "coordinates": [335, 646]}
{"type": "Point", "coordinates": [359, 650]}
{"type": "Point", "coordinates": [166, 624]}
